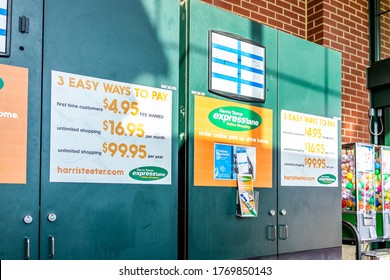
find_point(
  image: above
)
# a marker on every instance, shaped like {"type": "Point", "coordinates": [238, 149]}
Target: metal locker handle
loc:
{"type": "Point", "coordinates": [52, 249]}
{"type": "Point", "coordinates": [271, 232]}
{"type": "Point", "coordinates": [27, 246]}
{"type": "Point", "coordinates": [283, 234]}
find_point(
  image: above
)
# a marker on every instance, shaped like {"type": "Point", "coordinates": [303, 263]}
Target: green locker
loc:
{"type": "Point", "coordinates": [296, 220]}
{"type": "Point", "coordinates": [19, 195]}
{"type": "Point", "coordinates": [214, 229]}
{"type": "Point", "coordinates": [309, 82]}
{"type": "Point", "coordinates": [102, 164]}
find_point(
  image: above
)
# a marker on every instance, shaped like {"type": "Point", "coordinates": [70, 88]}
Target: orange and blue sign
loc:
{"type": "Point", "coordinates": [231, 138]}
{"type": "Point", "coordinates": [13, 124]}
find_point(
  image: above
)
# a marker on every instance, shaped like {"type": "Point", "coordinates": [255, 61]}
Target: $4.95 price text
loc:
{"type": "Point", "coordinates": [122, 107]}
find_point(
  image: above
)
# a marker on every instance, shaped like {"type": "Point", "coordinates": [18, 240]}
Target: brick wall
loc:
{"type": "Point", "coordinates": [385, 29]}
{"type": "Point", "coordinates": [338, 24]}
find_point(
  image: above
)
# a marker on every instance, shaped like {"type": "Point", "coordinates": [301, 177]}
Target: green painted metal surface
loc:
{"type": "Point", "coordinates": [352, 218]}
{"type": "Point", "coordinates": [309, 81]}
{"type": "Point", "coordinates": [301, 77]}
{"type": "Point", "coordinates": [384, 138]}
{"type": "Point", "coordinates": [20, 200]}
{"type": "Point", "coordinates": [214, 231]}
{"type": "Point", "coordinates": [134, 42]}
{"type": "Point", "coordinates": [379, 224]}
{"type": "Point", "coordinates": [128, 41]}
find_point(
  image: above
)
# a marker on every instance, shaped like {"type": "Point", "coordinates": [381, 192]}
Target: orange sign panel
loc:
{"type": "Point", "coordinates": [231, 138]}
{"type": "Point", "coordinates": [13, 124]}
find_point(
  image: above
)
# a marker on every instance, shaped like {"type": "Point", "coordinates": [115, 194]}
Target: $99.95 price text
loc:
{"type": "Point", "coordinates": [125, 150]}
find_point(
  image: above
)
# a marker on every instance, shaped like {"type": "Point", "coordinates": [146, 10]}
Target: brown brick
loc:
{"type": "Point", "coordinates": [350, 78]}
{"type": "Point", "coordinates": [348, 119]}
{"type": "Point", "coordinates": [345, 125]}
{"type": "Point", "coordinates": [283, 18]}
{"type": "Point", "coordinates": [259, 3]}
{"type": "Point", "coordinates": [345, 83]}
{"type": "Point", "coordinates": [349, 51]}
{"type": "Point", "coordinates": [362, 108]}
{"type": "Point", "coordinates": [337, 31]}
{"type": "Point", "coordinates": [357, 114]}
{"type": "Point", "coordinates": [250, 6]}
{"type": "Point", "coordinates": [267, 13]}
{"type": "Point", "coordinates": [357, 73]}
{"type": "Point", "coordinates": [350, 133]}
{"type": "Point", "coordinates": [342, 13]}
{"type": "Point", "coordinates": [234, 2]}
{"type": "Point", "coordinates": [363, 122]}
{"type": "Point", "coordinates": [285, 5]}
{"type": "Point", "coordinates": [355, 6]}
{"type": "Point", "coordinates": [343, 27]}
{"type": "Point", "coordinates": [290, 14]}
{"type": "Point", "coordinates": [356, 86]}
{"type": "Point", "coordinates": [338, 4]}
{"type": "Point", "coordinates": [351, 106]}
{"type": "Point", "coordinates": [345, 139]}
{"type": "Point", "coordinates": [223, 4]}
{"type": "Point", "coordinates": [355, 32]}
{"type": "Point", "coordinates": [356, 100]}
{"type": "Point", "coordinates": [346, 69]}
{"type": "Point", "coordinates": [345, 111]}
{"type": "Point", "coordinates": [276, 9]}
{"type": "Point", "coordinates": [297, 10]}
{"type": "Point", "coordinates": [346, 98]}
{"type": "Point", "coordinates": [275, 23]}
{"type": "Point", "coordinates": [291, 29]}
{"type": "Point", "coordinates": [356, 19]}
{"type": "Point", "coordinates": [349, 10]}
{"type": "Point", "coordinates": [343, 41]}
{"type": "Point", "coordinates": [241, 11]}
{"type": "Point", "coordinates": [259, 17]}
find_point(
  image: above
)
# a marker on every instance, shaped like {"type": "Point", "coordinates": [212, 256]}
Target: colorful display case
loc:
{"type": "Point", "coordinates": [382, 191]}
{"type": "Point", "coordinates": [358, 188]}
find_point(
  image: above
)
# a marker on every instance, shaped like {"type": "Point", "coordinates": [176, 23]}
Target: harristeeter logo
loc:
{"type": "Point", "coordinates": [235, 118]}
{"type": "Point", "coordinates": [326, 179]}
{"type": "Point", "coordinates": [148, 173]}
{"type": "Point", "coordinates": [245, 178]}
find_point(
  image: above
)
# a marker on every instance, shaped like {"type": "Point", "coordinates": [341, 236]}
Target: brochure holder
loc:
{"type": "Point", "coordinates": [247, 199]}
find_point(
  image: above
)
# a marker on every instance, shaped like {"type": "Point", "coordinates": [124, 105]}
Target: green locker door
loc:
{"type": "Point", "coordinates": [214, 230]}
{"type": "Point", "coordinates": [109, 179]}
{"type": "Point", "coordinates": [20, 77]}
{"type": "Point", "coordinates": [309, 82]}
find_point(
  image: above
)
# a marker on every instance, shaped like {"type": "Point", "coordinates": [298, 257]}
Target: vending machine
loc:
{"type": "Point", "coordinates": [358, 188]}
{"type": "Point", "coordinates": [382, 191]}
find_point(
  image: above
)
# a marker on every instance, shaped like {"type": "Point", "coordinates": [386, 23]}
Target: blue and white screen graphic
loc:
{"type": "Point", "coordinates": [237, 67]}
{"type": "Point", "coordinates": [3, 25]}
